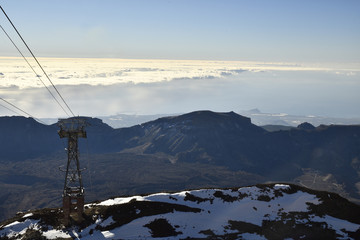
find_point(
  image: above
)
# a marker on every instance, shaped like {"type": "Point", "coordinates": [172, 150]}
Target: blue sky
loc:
{"type": "Point", "coordinates": [306, 56]}
{"type": "Point", "coordinates": [260, 30]}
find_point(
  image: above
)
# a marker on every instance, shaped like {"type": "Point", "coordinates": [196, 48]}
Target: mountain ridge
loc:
{"type": "Point", "coordinates": [263, 211]}
{"type": "Point", "coordinates": [199, 149]}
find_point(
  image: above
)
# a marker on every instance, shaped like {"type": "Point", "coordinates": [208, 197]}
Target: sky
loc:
{"type": "Point", "coordinates": [256, 30]}
{"type": "Point", "coordinates": [163, 56]}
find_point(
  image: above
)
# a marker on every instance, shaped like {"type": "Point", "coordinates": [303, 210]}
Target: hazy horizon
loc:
{"type": "Point", "coordinates": [101, 87]}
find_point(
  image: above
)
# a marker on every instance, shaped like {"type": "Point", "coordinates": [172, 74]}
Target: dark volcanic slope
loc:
{"type": "Point", "coordinates": [208, 137]}
{"type": "Point", "coordinates": [326, 157]}
{"type": "Point", "coordinates": [23, 138]}
{"type": "Point", "coordinates": [225, 139]}
{"type": "Point", "coordinates": [229, 139]}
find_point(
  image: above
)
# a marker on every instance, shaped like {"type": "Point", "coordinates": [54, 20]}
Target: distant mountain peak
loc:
{"type": "Point", "coordinates": [306, 126]}
{"type": "Point", "coordinates": [194, 134]}
{"type": "Point", "coordinates": [206, 117]}
{"type": "Point", "coordinates": [254, 111]}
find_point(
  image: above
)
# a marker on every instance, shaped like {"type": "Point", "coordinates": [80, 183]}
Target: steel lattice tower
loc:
{"type": "Point", "coordinates": [73, 193]}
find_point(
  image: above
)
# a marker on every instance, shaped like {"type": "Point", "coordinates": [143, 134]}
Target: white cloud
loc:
{"type": "Point", "coordinates": [74, 71]}
{"type": "Point", "coordinates": [99, 87]}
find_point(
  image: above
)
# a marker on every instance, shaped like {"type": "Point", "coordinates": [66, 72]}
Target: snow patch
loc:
{"type": "Point", "coordinates": [107, 222]}
{"type": "Point", "coordinates": [337, 224]}
{"type": "Point", "coordinates": [55, 234]}
{"type": "Point", "coordinates": [117, 201]}
{"type": "Point", "coordinates": [108, 234]}
{"type": "Point", "coordinates": [28, 215]}
{"type": "Point", "coordinates": [281, 186]}
{"type": "Point", "coordinates": [252, 236]}
{"type": "Point", "coordinates": [18, 228]}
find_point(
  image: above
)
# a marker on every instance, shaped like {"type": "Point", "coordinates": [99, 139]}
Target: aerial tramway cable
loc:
{"type": "Point", "coordinates": [37, 75]}
{"type": "Point", "coordinates": [73, 194]}
{"type": "Point", "coordinates": [37, 61]}
{"type": "Point", "coordinates": [11, 110]}
{"type": "Point", "coordinates": [20, 110]}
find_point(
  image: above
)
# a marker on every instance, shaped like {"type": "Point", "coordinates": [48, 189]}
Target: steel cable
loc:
{"type": "Point", "coordinates": [37, 75]}
{"type": "Point", "coordinates": [21, 110]}
{"type": "Point", "coordinates": [37, 61]}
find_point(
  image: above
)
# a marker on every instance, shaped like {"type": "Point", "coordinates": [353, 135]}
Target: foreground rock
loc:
{"type": "Point", "coordinates": [272, 211]}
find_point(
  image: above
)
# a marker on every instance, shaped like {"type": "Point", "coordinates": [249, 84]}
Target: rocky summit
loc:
{"type": "Point", "coordinates": [267, 211]}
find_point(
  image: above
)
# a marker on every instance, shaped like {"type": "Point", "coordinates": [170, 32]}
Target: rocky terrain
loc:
{"type": "Point", "coordinates": [272, 211]}
{"type": "Point", "coordinates": [196, 150]}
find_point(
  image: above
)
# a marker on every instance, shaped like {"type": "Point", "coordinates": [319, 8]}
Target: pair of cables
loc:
{"type": "Point", "coordinates": [36, 74]}
{"type": "Point", "coordinates": [39, 77]}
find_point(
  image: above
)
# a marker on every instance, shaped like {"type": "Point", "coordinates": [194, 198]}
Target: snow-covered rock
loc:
{"type": "Point", "coordinates": [271, 211]}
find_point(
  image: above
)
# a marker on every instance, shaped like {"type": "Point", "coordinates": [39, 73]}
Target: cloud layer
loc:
{"type": "Point", "coordinates": [99, 87]}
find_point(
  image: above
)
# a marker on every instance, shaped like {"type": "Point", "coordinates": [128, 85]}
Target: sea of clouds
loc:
{"type": "Point", "coordinates": [99, 87]}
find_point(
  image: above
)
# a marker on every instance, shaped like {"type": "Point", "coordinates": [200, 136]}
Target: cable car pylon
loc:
{"type": "Point", "coordinates": [73, 193]}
